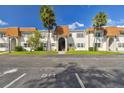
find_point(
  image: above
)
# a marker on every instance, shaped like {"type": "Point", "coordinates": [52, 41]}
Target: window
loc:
{"type": "Point", "coordinates": [53, 44]}
{"type": "Point", "coordinates": [98, 34]}
{"type": "Point", "coordinates": [2, 35]}
{"type": "Point", "coordinates": [80, 45]}
{"type": "Point", "coordinates": [80, 35]}
{"type": "Point", "coordinates": [70, 35]}
{"type": "Point", "coordinates": [98, 44]}
{"type": "Point", "coordinates": [44, 45]}
{"type": "Point", "coordinates": [121, 45]}
{"type": "Point", "coordinates": [71, 45]}
{"type": "Point", "coordinates": [26, 34]}
{"type": "Point", "coordinates": [2, 45]}
{"type": "Point", "coordinates": [121, 34]}
{"type": "Point", "coordinates": [26, 45]}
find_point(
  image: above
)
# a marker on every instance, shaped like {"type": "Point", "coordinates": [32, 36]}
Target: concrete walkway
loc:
{"type": "Point", "coordinates": [61, 52]}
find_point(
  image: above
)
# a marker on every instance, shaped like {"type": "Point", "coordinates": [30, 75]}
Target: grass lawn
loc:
{"type": "Point", "coordinates": [92, 52]}
{"type": "Point", "coordinates": [33, 53]}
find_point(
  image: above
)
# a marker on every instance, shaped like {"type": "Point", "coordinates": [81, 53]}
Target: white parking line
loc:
{"type": "Point", "coordinates": [79, 80]}
{"type": "Point", "coordinates": [8, 85]}
{"type": "Point", "coordinates": [9, 71]}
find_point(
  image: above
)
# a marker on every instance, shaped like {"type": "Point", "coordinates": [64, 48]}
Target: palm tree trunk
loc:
{"type": "Point", "coordinates": [94, 45]}
{"type": "Point", "coordinates": [9, 46]}
{"type": "Point", "coordinates": [48, 42]}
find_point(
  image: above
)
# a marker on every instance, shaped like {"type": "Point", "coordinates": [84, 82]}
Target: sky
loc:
{"type": "Point", "coordinates": [75, 16]}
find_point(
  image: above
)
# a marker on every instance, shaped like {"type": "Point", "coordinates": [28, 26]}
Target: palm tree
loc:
{"type": "Point", "coordinates": [49, 21]}
{"type": "Point", "coordinates": [98, 21]}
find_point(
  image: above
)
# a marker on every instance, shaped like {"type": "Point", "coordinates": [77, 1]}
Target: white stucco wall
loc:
{"type": "Point", "coordinates": [4, 40]}
{"type": "Point", "coordinates": [79, 40]}
{"type": "Point", "coordinates": [87, 40]}
{"type": "Point", "coordinates": [120, 39]}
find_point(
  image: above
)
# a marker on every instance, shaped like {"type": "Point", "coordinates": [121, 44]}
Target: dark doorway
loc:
{"type": "Point", "coordinates": [61, 44]}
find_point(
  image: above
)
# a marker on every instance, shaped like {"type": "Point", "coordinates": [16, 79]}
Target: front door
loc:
{"type": "Point", "coordinates": [61, 44]}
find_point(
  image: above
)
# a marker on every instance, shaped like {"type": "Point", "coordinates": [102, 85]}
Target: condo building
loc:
{"type": "Point", "coordinates": [62, 39]}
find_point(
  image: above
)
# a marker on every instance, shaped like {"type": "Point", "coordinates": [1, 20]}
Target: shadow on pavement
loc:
{"type": "Point", "coordinates": [96, 78]}
{"type": "Point", "coordinates": [91, 77]}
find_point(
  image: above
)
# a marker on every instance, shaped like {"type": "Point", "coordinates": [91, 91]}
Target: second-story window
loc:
{"type": "Point", "coordinates": [98, 35]}
{"type": "Point", "coordinates": [26, 34]}
{"type": "Point", "coordinates": [80, 35]}
{"type": "Point", "coordinates": [2, 35]}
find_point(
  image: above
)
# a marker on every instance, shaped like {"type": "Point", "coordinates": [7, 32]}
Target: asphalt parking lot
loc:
{"type": "Point", "coordinates": [62, 71]}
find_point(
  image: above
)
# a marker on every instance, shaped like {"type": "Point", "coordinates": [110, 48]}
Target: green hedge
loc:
{"type": "Point", "coordinates": [19, 48]}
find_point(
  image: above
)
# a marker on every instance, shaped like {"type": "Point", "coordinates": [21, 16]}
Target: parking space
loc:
{"type": "Point", "coordinates": [102, 78]}
{"type": "Point", "coordinates": [69, 73]}
{"type": "Point", "coordinates": [39, 78]}
{"type": "Point", "coordinates": [9, 77]}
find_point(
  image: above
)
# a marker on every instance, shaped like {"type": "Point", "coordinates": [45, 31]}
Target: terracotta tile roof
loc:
{"type": "Point", "coordinates": [110, 31]}
{"type": "Point", "coordinates": [27, 29]}
{"type": "Point", "coordinates": [62, 30]}
{"type": "Point", "coordinates": [91, 29]}
{"type": "Point", "coordinates": [3, 29]}
{"type": "Point", "coordinates": [15, 31]}
{"type": "Point", "coordinates": [12, 32]}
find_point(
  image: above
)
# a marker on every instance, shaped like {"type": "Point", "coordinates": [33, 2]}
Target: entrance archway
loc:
{"type": "Point", "coordinates": [13, 43]}
{"type": "Point", "coordinates": [61, 44]}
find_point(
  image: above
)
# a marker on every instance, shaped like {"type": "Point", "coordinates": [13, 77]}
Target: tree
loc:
{"type": "Point", "coordinates": [49, 21]}
{"type": "Point", "coordinates": [98, 21]}
{"type": "Point", "coordinates": [34, 40]}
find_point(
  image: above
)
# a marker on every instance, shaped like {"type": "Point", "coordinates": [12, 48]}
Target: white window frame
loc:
{"type": "Point", "coordinates": [80, 35]}
{"type": "Point", "coordinates": [80, 45]}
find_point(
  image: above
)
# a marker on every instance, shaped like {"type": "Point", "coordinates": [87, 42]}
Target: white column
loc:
{"type": "Point", "coordinates": [107, 44]}
{"type": "Point", "coordinates": [17, 41]}
{"type": "Point", "coordinates": [57, 45]}
{"type": "Point", "coordinates": [114, 43]}
{"type": "Point", "coordinates": [66, 44]}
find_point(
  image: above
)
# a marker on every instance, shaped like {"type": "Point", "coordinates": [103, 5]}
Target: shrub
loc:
{"type": "Point", "coordinates": [40, 48]}
{"type": "Point", "coordinates": [19, 48]}
{"type": "Point", "coordinates": [90, 48]}
{"type": "Point", "coordinates": [95, 48]}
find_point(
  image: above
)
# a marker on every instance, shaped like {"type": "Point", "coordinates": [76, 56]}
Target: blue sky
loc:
{"type": "Point", "coordinates": [76, 17]}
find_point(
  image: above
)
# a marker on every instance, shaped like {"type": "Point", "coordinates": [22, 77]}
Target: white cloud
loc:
{"type": "Point", "coordinates": [75, 25]}
{"type": "Point", "coordinates": [2, 23]}
{"type": "Point", "coordinates": [116, 22]}
{"type": "Point", "coordinates": [120, 25]}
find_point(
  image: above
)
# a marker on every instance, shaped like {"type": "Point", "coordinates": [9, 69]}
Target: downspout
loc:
{"type": "Point", "coordinates": [94, 39]}
{"type": "Point", "coordinates": [88, 40]}
{"type": "Point", "coordinates": [9, 45]}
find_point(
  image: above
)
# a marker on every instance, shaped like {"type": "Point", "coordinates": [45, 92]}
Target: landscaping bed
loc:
{"type": "Point", "coordinates": [92, 52]}
{"type": "Point", "coordinates": [33, 53]}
